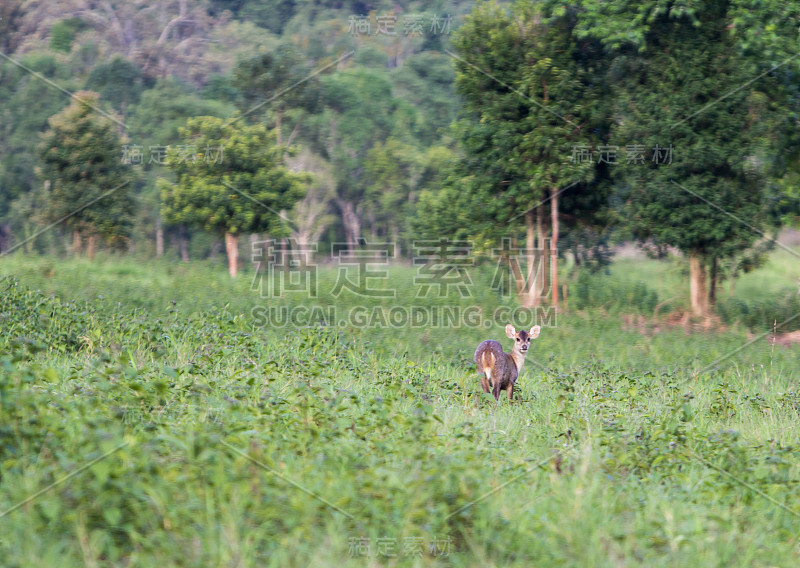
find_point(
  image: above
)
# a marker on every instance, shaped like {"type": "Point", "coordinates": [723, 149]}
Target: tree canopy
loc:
{"type": "Point", "coordinates": [545, 125]}
{"type": "Point", "coordinates": [85, 183]}
{"type": "Point", "coordinates": [229, 179]}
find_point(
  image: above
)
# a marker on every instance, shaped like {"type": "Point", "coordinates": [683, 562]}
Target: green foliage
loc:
{"type": "Point", "coordinates": [426, 80]}
{"type": "Point", "coordinates": [86, 185]}
{"type": "Point", "coordinates": [119, 82]}
{"type": "Point", "coordinates": [451, 209]}
{"type": "Point", "coordinates": [262, 79]}
{"type": "Point", "coordinates": [230, 178]}
{"type": "Point", "coordinates": [164, 109]}
{"type": "Point", "coordinates": [43, 320]}
{"type": "Point", "coordinates": [591, 248]}
{"type": "Point", "coordinates": [361, 102]}
{"type": "Point", "coordinates": [625, 437]}
{"type": "Point", "coordinates": [270, 15]}
{"type": "Point", "coordinates": [717, 166]}
{"type": "Point", "coordinates": [360, 115]}
{"type": "Point", "coordinates": [599, 291]}
{"type": "Point", "coordinates": [27, 105]}
{"type": "Point", "coordinates": [62, 34]}
{"type": "Point", "coordinates": [158, 66]}
{"type": "Point", "coordinates": [527, 98]}
{"type": "Point", "coordinates": [764, 313]}
{"type": "Point", "coordinates": [391, 171]}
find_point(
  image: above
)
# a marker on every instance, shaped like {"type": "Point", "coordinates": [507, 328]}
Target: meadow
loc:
{"type": "Point", "coordinates": [152, 415]}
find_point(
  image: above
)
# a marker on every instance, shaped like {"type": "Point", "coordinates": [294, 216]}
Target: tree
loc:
{"type": "Point", "coordinates": [270, 15]}
{"type": "Point", "coordinates": [28, 103]}
{"type": "Point", "coordinates": [446, 204]}
{"type": "Point", "coordinates": [154, 124]}
{"type": "Point", "coordinates": [85, 182]}
{"type": "Point", "coordinates": [311, 216]}
{"type": "Point", "coordinates": [426, 80]}
{"type": "Point", "coordinates": [119, 82]}
{"type": "Point", "coordinates": [359, 112]}
{"type": "Point", "coordinates": [266, 79]}
{"type": "Point", "coordinates": [164, 38]}
{"type": "Point", "coordinates": [10, 11]}
{"type": "Point", "coordinates": [679, 75]}
{"type": "Point", "coordinates": [528, 96]}
{"type": "Point", "coordinates": [392, 171]}
{"type": "Point", "coordinates": [229, 178]}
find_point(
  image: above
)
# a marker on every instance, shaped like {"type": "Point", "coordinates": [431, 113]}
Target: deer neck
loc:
{"type": "Point", "coordinates": [518, 358]}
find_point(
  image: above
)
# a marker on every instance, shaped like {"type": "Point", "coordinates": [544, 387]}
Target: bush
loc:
{"type": "Point", "coordinates": [763, 313]}
{"type": "Point", "coordinates": [603, 291]}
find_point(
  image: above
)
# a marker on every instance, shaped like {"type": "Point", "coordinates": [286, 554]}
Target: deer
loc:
{"type": "Point", "coordinates": [500, 369]}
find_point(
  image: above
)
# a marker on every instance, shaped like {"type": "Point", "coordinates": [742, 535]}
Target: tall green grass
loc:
{"type": "Point", "coordinates": [234, 444]}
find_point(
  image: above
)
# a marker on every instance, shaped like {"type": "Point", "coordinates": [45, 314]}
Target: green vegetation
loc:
{"type": "Point", "coordinates": [235, 443]}
{"type": "Point", "coordinates": [724, 157]}
{"type": "Point", "coordinates": [230, 179]}
{"type": "Point", "coordinates": [349, 101]}
{"type": "Point", "coordinates": [85, 184]}
{"type": "Point", "coordinates": [521, 125]}
{"type": "Point", "coordinates": [564, 127]}
{"type": "Point", "coordinates": [477, 164]}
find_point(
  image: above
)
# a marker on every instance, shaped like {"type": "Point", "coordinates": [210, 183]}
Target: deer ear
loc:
{"type": "Point", "coordinates": [510, 331]}
{"type": "Point", "coordinates": [535, 331]}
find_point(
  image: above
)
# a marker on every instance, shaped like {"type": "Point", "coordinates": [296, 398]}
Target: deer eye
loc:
{"type": "Point", "coordinates": [517, 338]}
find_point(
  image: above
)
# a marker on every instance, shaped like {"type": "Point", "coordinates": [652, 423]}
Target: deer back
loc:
{"type": "Point", "coordinates": [490, 354]}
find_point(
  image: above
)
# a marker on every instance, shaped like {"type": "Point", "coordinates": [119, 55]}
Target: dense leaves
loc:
{"type": "Point", "coordinates": [86, 184]}
{"type": "Point", "coordinates": [190, 437]}
{"type": "Point", "coordinates": [229, 178]}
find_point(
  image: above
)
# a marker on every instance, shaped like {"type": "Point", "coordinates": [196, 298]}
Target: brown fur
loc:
{"type": "Point", "coordinates": [500, 370]}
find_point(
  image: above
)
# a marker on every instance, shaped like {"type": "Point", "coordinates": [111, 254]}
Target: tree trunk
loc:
{"type": "Point", "coordinates": [531, 298]}
{"type": "Point", "coordinates": [697, 286]}
{"type": "Point", "coordinates": [159, 238]}
{"type": "Point", "coordinates": [183, 243]}
{"type": "Point", "coordinates": [517, 272]}
{"type": "Point", "coordinates": [541, 270]}
{"type": "Point", "coordinates": [5, 237]}
{"type": "Point", "coordinates": [396, 241]}
{"type": "Point", "coordinates": [554, 248]}
{"type": "Point", "coordinates": [286, 257]}
{"type": "Point", "coordinates": [254, 238]}
{"type": "Point", "coordinates": [712, 285]}
{"type": "Point", "coordinates": [90, 246]}
{"type": "Point", "coordinates": [351, 222]}
{"type": "Point", "coordinates": [76, 243]}
{"type": "Point", "coordinates": [373, 225]}
{"type": "Point", "coordinates": [232, 250]}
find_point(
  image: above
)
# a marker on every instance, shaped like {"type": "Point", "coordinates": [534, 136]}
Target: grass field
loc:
{"type": "Point", "coordinates": [150, 415]}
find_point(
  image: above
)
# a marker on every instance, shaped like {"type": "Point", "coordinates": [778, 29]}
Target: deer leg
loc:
{"type": "Point", "coordinates": [510, 392]}
{"type": "Point", "coordinates": [485, 384]}
{"type": "Point", "coordinates": [496, 390]}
